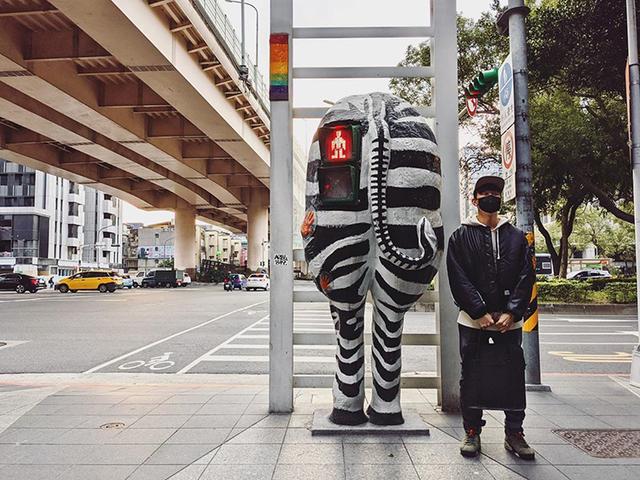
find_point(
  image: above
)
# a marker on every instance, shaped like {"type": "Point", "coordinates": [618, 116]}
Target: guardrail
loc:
{"type": "Point", "coordinates": [219, 24]}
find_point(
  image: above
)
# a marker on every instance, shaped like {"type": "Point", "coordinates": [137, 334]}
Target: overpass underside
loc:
{"type": "Point", "coordinates": [138, 98]}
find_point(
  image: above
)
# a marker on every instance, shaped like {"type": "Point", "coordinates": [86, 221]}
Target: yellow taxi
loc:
{"type": "Point", "coordinates": [90, 280]}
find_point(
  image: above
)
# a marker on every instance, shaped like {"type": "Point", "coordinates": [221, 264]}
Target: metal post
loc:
{"type": "Point", "coordinates": [444, 55]}
{"type": "Point", "coordinates": [524, 193]}
{"type": "Point", "coordinates": [634, 135]}
{"type": "Point", "coordinates": [281, 230]}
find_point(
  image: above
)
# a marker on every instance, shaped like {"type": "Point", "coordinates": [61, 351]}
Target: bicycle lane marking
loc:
{"type": "Point", "coordinates": [222, 345]}
{"type": "Point", "coordinates": [163, 340]}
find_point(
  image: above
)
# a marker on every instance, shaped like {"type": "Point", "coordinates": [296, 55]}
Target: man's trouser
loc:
{"type": "Point", "coordinates": [472, 417]}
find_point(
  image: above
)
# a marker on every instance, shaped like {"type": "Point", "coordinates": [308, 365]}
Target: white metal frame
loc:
{"type": "Point", "coordinates": [444, 71]}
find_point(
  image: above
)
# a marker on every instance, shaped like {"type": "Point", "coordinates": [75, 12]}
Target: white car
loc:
{"type": "Point", "coordinates": [258, 281]}
{"type": "Point", "coordinates": [186, 279]}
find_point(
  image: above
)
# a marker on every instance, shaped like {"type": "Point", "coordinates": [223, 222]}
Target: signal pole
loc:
{"type": "Point", "coordinates": [513, 21]}
{"type": "Point", "coordinates": [634, 136]}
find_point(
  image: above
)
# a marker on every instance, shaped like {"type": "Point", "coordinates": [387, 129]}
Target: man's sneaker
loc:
{"type": "Point", "coordinates": [515, 443]}
{"type": "Point", "coordinates": [470, 446]}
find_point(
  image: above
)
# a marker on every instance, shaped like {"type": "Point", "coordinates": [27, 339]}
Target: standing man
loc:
{"type": "Point", "coordinates": [491, 276]}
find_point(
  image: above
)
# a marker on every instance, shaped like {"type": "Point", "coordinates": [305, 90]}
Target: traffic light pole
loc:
{"type": "Point", "coordinates": [634, 134]}
{"type": "Point", "coordinates": [516, 13]}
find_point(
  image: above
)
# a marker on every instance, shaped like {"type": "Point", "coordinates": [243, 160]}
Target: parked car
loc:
{"type": "Point", "coordinates": [137, 279]}
{"type": "Point", "coordinates": [163, 278]}
{"type": "Point", "coordinates": [127, 281]}
{"type": "Point", "coordinates": [258, 281]}
{"type": "Point", "coordinates": [42, 282]}
{"type": "Point", "coordinates": [19, 283]}
{"type": "Point", "coordinates": [235, 281]}
{"type": "Point", "coordinates": [90, 280]}
{"type": "Point", "coordinates": [582, 275]}
{"type": "Point", "coordinates": [186, 279]}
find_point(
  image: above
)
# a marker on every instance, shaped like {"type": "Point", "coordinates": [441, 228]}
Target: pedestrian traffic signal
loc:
{"type": "Point", "coordinates": [482, 83]}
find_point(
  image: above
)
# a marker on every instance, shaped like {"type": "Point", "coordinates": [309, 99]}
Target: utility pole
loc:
{"type": "Point", "coordinates": [634, 137]}
{"type": "Point", "coordinates": [513, 21]}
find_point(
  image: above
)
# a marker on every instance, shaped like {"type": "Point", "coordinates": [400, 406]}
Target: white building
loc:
{"type": "Point", "coordinates": [50, 225]}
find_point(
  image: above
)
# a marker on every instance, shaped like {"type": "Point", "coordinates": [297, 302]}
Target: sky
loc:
{"type": "Point", "coordinates": [355, 52]}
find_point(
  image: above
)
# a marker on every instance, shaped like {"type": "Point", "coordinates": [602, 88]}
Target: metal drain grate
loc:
{"type": "Point", "coordinates": [110, 425]}
{"type": "Point", "coordinates": [604, 443]}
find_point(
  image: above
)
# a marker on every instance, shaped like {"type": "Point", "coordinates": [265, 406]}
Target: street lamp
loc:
{"type": "Point", "coordinates": [243, 55]}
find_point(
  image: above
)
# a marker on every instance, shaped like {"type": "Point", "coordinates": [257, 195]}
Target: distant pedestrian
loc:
{"type": "Point", "coordinates": [491, 276]}
{"type": "Point", "coordinates": [51, 284]}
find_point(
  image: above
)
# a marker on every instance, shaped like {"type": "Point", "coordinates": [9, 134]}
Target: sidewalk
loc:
{"type": "Point", "coordinates": [188, 427]}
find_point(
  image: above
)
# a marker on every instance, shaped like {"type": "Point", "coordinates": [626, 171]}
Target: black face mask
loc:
{"type": "Point", "coordinates": [489, 204]}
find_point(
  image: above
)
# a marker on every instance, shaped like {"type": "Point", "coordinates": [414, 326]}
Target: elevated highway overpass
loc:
{"type": "Point", "coordinates": [142, 99]}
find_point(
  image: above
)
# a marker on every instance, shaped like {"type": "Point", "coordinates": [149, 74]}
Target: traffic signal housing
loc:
{"type": "Point", "coordinates": [482, 83]}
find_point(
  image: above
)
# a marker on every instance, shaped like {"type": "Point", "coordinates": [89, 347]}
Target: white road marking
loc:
{"type": "Point", "coordinates": [12, 343]}
{"type": "Point", "coordinates": [265, 359]}
{"type": "Point", "coordinates": [182, 332]}
{"type": "Point", "coordinates": [258, 346]}
{"type": "Point", "coordinates": [215, 349]}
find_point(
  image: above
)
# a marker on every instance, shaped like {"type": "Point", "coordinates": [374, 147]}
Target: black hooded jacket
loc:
{"type": "Point", "coordinates": [483, 282]}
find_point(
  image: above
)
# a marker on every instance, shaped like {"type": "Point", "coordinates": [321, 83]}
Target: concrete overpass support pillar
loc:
{"type": "Point", "coordinates": [185, 241]}
{"type": "Point", "coordinates": [257, 232]}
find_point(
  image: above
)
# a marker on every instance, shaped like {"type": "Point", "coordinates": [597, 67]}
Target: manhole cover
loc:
{"type": "Point", "coordinates": [604, 443]}
{"type": "Point", "coordinates": [107, 426]}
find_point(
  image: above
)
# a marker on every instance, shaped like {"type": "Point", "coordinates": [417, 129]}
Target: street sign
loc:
{"type": "Point", "coordinates": [509, 163]}
{"type": "Point", "coordinates": [507, 99]}
{"type": "Point", "coordinates": [472, 105]}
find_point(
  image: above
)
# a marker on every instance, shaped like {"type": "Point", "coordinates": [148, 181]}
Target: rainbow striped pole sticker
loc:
{"type": "Point", "coordinates": [279, 67]}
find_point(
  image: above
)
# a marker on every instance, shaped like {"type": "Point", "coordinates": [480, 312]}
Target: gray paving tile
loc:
{"type": "Point", "coordinates": [231, 399]}
{"type": "Point", "coordinates": [238, 472]}
{"type": "Point", "coordinates": [119, 455]}
{"type": "Point", "coordinates": [212, 421]}
{"type": "Point", "coordinates": [436, 435]}
{"type": "Point", "coordinates": [54, 454]}
{"type": "Point", "coordinates": [263, 454]}
{"type": "Point", "coordinates": [161, 421]}
{"type": "Point", "coordinates": [435, 454]}
{"type": "Point", "coordinates": [222, 409]}
{"type": "Point", "coordinates": [366, 438]}
{"type": "Point", "coordinates": [380, 472]}
{"type": "Point", "coordinates": [496, 452]}
{"type": "Point", "coordinates": [49, 421]}
{"type": "Point", "coordinates": [303, 435]}
{"type": "Point", "coordinates": [274, 421]}
{"type": "Point", "coordinates": [598, 472]}
{"type": "Point", "coordinates": [556, 410]}
{"type": "Point", "coordinates": [130, 409]}
{"type": "Point", "coordinates": [208, 436]}
{"type": "Point", "coordinates": [621, 421]}
{"type": "Point", "coordinates": [501, 472]}
{"type": "Point", "coordinates": [539, 472]}
{"type": "Point", "coordinates": [98, 472]}
{"type": "Point", "coordinates": [34, 472]}
{"type": "Point", "coordinates": [155, 472]}
{"type": "Point", "coordinates": [309, 472]}
{"type": "Point", "coordinates": [178, 454]}
{"type": "Point", "coordinates": [143, 435]}
{"type": "Point", "coordinates": [300, 421]}
{"type": "Point", "coordinates": [176, 409]}
{"type": "Point", "coordinates": [257, 435]}
{"type": "Point", "coordinates": [453, 472]}
{"type": "Point", "coordinates": [578, 421]}
{"type": "Point", "coordinates": [376, 454]}
{"type": "Point", "coordinates": [192, 472]}
{"type": "Point", "coordinates": [250, 420]}
{"type": "Point", "coordinates": [151, 399]}
{"type": "Point", "coordinates": [182, 398]}
{"type": "Point", "coordinates": [31, 435]}
{"type": "Point", "coordinates": [567, 455]}
{"type": "Point", "coordinates": [258, 409]}
{"type": "Point", "coordinates": [316, 454]}
{"type": "Point", "coordinates": [97, 421]}
{"type": "Point", "coordinates": [86, 436]}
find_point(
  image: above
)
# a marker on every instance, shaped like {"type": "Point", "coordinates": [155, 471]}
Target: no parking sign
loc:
{"type": "Point", "coordinates": [507, 128]}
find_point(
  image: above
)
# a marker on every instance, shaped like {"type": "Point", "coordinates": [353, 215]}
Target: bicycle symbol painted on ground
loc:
{"type": "Point", "coordinates": [161, 362]}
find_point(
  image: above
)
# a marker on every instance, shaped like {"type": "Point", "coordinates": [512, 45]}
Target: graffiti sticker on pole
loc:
{"type": "Point", "coordinates": [507, 98]}
{"type": "Point", "coordinates": [509, 163]}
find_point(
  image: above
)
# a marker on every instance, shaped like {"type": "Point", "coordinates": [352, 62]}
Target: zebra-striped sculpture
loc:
{"type": "Point", "coordinates": [385, 236]}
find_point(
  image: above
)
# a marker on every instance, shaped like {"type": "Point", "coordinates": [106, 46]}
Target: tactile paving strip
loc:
{"type": "Point", "coordinates": [604, 443]}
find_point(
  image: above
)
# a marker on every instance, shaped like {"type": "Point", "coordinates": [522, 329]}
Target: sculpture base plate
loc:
{"type": "Point", "coordinates": [413, 425]}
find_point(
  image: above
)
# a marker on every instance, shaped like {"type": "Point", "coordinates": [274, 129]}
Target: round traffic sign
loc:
{"type": "Point", "coordinates": [508, 149]}
{"type": "Point", "coordinates": [472, 105]}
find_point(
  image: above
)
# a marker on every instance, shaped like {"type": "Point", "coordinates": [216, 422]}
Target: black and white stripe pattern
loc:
{"type": "Point", "coordinates": [389, 242]}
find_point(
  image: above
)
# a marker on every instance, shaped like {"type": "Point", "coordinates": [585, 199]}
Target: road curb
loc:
{"type": "Point", "coordinates": [588, 309]}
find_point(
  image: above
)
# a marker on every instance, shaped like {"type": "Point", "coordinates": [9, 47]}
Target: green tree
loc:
{"type": "Point", "coordinates": [166, 263]}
